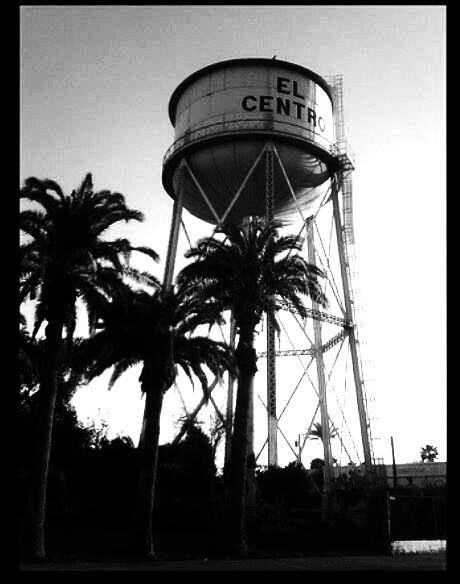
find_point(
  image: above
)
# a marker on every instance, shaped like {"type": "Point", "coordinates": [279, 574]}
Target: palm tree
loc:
{"type": "Point", "coordinates": [154, 329]}
{"type": "Point", "coordinates": [249, 272]}
{"type": "Point", "coordinates": [317, 432]}
{"type": "Point", "coordinates": [64, 258]}
{"type": "Point", "coordinates": [429, 453]}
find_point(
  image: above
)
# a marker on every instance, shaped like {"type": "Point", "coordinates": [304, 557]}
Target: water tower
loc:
{"type": "Point", "coordinates": [264, 137]}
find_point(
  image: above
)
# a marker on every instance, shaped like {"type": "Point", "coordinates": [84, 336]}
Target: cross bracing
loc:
{"type": "Point", "coordinates": [317, 314]}
{"type": "Point", "coordinates": [308, 351]}
{"type": "Point", "coordinates": [342, 435]}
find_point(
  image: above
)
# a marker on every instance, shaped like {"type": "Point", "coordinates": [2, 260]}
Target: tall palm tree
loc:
{"type": "Point", "coordinates": [249, 272]}
{"type": "Point", "coordinates": [64, 258]}
{"type": "Point", "coordinates": [154, 329]}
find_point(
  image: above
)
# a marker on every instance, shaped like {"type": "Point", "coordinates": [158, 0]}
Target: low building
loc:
{"type": "Point", "coordinates": [418, 474]}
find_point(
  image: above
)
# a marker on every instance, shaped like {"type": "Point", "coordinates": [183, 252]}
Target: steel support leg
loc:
{"type": "Point", "coordinates": [349, 315]}
{"type": "Point", "coordinates": [174, 233]}
{"type": "Point", "coordinates": [321, 380]}
{"type": "Point", "coordinates": [271, 349]}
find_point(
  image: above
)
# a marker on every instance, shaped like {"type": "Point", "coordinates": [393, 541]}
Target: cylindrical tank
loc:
{"type": "Point", "coordinates": [225, 113]}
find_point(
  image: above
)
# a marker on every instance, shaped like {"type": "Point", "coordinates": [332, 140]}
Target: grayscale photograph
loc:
{"type": "Point", "coordinates": [232, 288]}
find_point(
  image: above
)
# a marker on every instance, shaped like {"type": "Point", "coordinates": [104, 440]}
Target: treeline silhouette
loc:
{"type": "Point", "coordinates": [92, 496]}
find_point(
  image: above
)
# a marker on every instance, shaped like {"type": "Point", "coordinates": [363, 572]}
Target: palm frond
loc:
{"type": "Point", "coordinates": [121, 367]}
{"type": "Point", "coordinates": [51, 185]}
{"type": "Point", "coordinates": [141, 277]}
{"type": "Point", "coordinates": [85, 187]}
{"type": "Point", "coordinates": [119, 214]}
{"type": "Point", "coordinates": [147, 251]}
{"type": "Point", "coordinates": [34, 224]}
{"type": "Point", "coordinates": [36, 190]}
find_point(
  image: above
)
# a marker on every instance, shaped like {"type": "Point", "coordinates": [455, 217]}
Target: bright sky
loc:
{"type": "Point", "coordinates": [95, 87]}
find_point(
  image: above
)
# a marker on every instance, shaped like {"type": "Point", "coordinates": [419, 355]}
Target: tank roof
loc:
{"type": "Point", "coordinates": [246, 61]}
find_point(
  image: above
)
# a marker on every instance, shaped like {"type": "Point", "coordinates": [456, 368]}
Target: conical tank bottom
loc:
{"type": "Point", "coordinates": [221, 167]}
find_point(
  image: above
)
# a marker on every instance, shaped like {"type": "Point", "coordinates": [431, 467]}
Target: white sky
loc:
{"type": "Point", "coordinates": [95, 87]}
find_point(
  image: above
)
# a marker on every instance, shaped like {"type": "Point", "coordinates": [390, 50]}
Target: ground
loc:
{"type": "Point", "coordinates": [403, 562]}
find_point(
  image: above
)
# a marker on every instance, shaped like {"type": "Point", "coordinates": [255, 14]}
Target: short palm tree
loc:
{"type": "Point", "coordinates": [154, 329]}
{"type": "Point", "coordinates": [317, 432]}
{"type": "Point", "coordinates": [64, 258]}
{"type": "Point", "coordinates": [428, 453]}
{"type": "Point", "coordinates": [249, 272]}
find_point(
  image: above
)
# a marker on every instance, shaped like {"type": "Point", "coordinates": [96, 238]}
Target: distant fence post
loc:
{"type": "Point", "coordinates": [389, 498]}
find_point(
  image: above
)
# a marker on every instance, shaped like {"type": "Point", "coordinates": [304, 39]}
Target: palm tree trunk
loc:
{"type": "Point", "coordinates": [246, 359]}
{"type": "Point", "coordinates": [48, 393]}
{"type": "Point", "coordinates": [148, 448]}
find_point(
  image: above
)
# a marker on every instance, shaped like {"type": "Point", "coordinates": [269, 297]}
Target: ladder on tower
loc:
{"type": "Point", "coordinates": [346, 160]}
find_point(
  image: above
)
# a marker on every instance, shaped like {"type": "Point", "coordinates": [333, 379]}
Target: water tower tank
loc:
{"type": "Point", "coordinates": [225, 113]}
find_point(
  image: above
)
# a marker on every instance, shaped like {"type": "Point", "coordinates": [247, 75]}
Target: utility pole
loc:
{"type": "Point", "coordinates": [395, 477]}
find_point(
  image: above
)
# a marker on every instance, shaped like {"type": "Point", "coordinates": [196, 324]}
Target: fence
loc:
{"type": "Point", "coordinates": [419, 517]}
